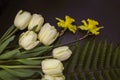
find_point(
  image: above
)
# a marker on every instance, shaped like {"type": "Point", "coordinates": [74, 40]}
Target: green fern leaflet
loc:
{"type": "Point", "coordinates": [94, 61]}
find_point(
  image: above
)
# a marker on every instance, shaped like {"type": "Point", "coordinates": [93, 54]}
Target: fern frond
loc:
{"type": "Point", "coordinates": [98, 75]}
{"type": "Point", "coordinates": [94, 61]}
{"type": "Point", "coordinates": [114, 57]}
{"type": "Point", "coordinates": [102, 55]}
{"type": "Point", "coordinates": [108, 56]}
{"type": "Point", "coordinates": [73, 60]}
{"type": "Point", "coordinates": [95, 57]}
{"type": "Point", "coordinates": [89, 56]}
{"type": "Point", "coordinates": [82, 56]}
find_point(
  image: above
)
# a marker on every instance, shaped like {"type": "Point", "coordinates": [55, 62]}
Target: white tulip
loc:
{"type": "Point", "coordinates": [28, 40]}
{"type": "Point", "coordinates": [52, 67]}
{"type": "Point", "coordinates": [48, 34]}
{"type": "Point", "coordinates": [62, 53]}
{"type": "Point", "coordinates": [51, 77]}
{"type": "Point", "coordinates": [60, 78]}
{"type": "Point", "coordinates": [48, 77]}
{"type": "Point", "coordinates": [36, 22]}
{"type": "Point", "coordinates": [22, 19]}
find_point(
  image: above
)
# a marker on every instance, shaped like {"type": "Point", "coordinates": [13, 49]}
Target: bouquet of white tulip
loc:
{"type": "Point", "coordinates": [30, 57]}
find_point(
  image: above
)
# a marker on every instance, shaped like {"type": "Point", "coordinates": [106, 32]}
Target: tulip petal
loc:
{"type": "Point", "coordinates": [31, 46]}
{"type": "Point", "coordinates": [36, 22]}
{"type": "Point", "coordinates": [62, 53]}
{"type": "Point", "coordinates": [28, 39]}
{"type": "Point", "coordinates": [52, 66]}
{"type": "Point", "coordinates": [48, 34]}
{"type": "Point", "coordinates": [22, 19]}
{"type": "Point", "coordinates": [43, 31]}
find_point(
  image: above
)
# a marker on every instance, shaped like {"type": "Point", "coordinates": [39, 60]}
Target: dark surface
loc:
{"type": "Point", "coordinates": [107, 12]}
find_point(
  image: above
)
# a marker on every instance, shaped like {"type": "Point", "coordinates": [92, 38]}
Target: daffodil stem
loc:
{"type": "Point", "coordinates": [19, 66]}
{"type": "Point", "coordinates": [62, 32]}
{"type": "Point", "coordinates": [83, 37]}
{"type": "Point", "coordinates": [74, 41]}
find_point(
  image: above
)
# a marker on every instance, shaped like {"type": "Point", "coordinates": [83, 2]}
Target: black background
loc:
{"type": "Point", "coordinates": [107, 12]}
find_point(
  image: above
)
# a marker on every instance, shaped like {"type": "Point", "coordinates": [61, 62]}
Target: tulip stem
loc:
{"type": "Point", "coordinates": [35, 58]}
{"type": "Point", "coordinates": [15, 30]}
{"type": "Point", "coordinates": [41, 73]}
{"type": "Point", "coordinates": [19, 47]}
{"type": "Point", "coordinates": [19, 66]}
{"type": "Point", "coordinates": [44, 57]}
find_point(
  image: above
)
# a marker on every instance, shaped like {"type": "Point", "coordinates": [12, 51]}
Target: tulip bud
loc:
{"type": "Point", "coordinates": [22, 19]}
{"type": "Point", "coordinates": [62, 53]}
{"type": "Point", "coordinates": [51, 77]}
{"type": "Point", "coordinates": [47, 34]}
{"type": "Point", "coordinates": [36, 22]}
{"type": "Point", "coordinates": [52, 67]}
{"type": "Point", "coordinates": [28, 40]}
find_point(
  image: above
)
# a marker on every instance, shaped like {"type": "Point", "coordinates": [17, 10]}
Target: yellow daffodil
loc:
{"type": "Point", "coordinates": [67, 24]}
{"type": "Point", "coordinates": [91, 26]}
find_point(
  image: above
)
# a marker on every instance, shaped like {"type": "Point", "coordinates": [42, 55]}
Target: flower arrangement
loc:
{"type": "Point", "coordinates": [29, 60]}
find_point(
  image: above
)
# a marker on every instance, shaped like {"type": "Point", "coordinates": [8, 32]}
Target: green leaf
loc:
{"type": "Point", "coordinates": [94, 61]}
{"type": "Point", "coordinates": [9, 54]}
{"type": "Point", "coordinates": [29, 62]}
{"type": "Point", "coordinates": [5, 43]}
{"type": "Point", "coordinates": [4, 75]}
{"type": "Point", "coordinates": [21, 72]}
{"type": "Point", "coordinates": [35, 52]}
{"type": "Point", "coordinates": [37, 49]}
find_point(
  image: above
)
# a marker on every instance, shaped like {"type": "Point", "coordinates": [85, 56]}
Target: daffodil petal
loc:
{"type": "Point", "coordinates": [92, 22]}
{"type": "Point", "coordinates": [62, 25]}
{"type": "Point", "coordinates": [72, 28]}
{"type": "Point", "coordinates": [59, 19]}
{"type": "Point", "coordinates": [84, 22]}
{"type": "Point", "coordinates": [69, 19]}
{"type": "Point", "coordinates": [82, 27]}
{"type": "Point", "coordinates": [67, 24]}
